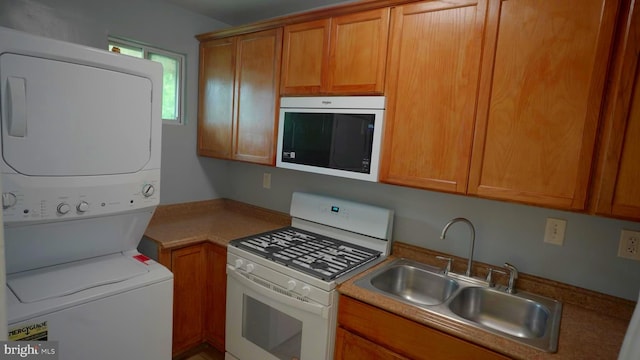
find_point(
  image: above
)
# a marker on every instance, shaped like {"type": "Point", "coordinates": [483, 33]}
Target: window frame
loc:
{"type": "Point", "coordinates": [180, 59]}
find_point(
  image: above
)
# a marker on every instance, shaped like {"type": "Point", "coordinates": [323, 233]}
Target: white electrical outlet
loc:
{"type": "Point", "coordinates": [629, 247]}
{"type": "Point", "coordinates": [266, 180]}
{"type": "Point", "coordinates": [554, 231]}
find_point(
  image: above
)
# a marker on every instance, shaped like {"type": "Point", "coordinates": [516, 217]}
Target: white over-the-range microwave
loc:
{"type": "Point", "coordinates": [339, 135]}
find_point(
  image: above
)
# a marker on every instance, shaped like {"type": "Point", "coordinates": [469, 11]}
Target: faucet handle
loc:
{"type": "Point", "coordinates": [513, 275]}
{"type": "Point", "coordinates": [489, 278]}
{"type": "Point", "coordinates": [448, 260]}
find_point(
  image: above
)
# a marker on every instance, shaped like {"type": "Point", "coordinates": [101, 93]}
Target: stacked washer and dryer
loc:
{"type": "Point", "coordinates": [80, 169]}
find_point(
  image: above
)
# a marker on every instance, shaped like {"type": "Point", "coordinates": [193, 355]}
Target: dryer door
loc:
{"type": "Point", "coordinates": [66, 119]}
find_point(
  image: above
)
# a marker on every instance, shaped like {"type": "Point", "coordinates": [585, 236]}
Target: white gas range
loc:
{"type": "Point", "coordinates": [281, 297]}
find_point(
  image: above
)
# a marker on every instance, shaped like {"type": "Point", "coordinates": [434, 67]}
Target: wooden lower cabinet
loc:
{"type": "Point", "coordinates": [350, 346]}
{"type": "Point", "coordinates": [199, 294]}
{"type": "Point", "coordinates": [215, 295]}
{"type": "Point", "coordinates": [368, 332]}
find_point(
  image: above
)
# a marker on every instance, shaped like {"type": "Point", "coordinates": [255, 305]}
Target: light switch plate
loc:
{"type": "Point", "coordinates": [266, 180]}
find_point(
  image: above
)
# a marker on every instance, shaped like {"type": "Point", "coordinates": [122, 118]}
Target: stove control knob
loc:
{"type": "Point", "coordinates": [306, 290]}
{"type": "Point", "coordinates": [250, 268]}
{"type": "Point", "coordinates": [291, 284]}
{"type": "Point", "coordinates": [8, 200]}
{"type": "Point", "coordinates": [82, 206]}
{"type": "Point", "coordinates": [239, 263]}
{"type": "Point", "coordinates": [63, 208]}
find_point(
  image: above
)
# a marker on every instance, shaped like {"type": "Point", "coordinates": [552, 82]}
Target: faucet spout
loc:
{"type": "Point", "coordinates": [473, 239]}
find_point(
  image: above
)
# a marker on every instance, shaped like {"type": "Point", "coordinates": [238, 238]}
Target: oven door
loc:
{"type": "Point", "coordinates": [267, 322]}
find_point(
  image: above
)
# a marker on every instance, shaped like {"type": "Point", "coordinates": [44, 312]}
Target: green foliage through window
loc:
{"type": "Point", "coordinates": [172, 77]}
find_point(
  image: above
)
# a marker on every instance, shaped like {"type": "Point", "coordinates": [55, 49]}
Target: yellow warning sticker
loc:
{"type": "Point", "coordinates": [29, 332]}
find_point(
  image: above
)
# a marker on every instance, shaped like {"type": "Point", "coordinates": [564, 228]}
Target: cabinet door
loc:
{"type": "Point", "coordinates": [540, 97]}
{"type": "Point", "coordinates": [618, 191]}
{"type": "Point", "coordinates": [432, 84]}
{"type": "Point", "coordinates": [304, 59]}
{"type": "Point", "coordinates": [257, 76]}
{"type": "Point", "coordinates": [358, 52]}
{"type": "Point", "coordinates": [352, 347]}
{"type": "Point", "coordinates": [216, 295]}
{"type": "Point", "coordinates": [187, 265]}
{"type": "Point", "coordinates": [215, 101]}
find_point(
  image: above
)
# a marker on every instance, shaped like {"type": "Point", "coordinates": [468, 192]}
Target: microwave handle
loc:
{"type": "Point", "coordinates": [17, 106]}
{"type": "Point", "coordinates": [283, 299]}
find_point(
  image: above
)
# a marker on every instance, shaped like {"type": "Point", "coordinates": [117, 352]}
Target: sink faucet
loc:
{"type": "Point", "coordinates": [513, 275]}
{"type": "Point", "coordinates": [473, 239]}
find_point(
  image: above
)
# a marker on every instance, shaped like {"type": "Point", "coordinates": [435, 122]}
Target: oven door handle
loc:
{"type": "Point", "coordinates": [316, 309]}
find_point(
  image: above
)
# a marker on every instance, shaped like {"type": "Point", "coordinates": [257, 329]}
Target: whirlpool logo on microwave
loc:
{"type": "Point", "coordinates": [289, 154]}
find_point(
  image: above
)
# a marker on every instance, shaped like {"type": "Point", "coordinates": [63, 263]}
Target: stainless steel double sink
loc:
{"type": "Point", "coordinates": [526, 318]}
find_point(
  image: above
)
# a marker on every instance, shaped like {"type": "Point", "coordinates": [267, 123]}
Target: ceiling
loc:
{"type": "Point", "coordinates": [240, 12]}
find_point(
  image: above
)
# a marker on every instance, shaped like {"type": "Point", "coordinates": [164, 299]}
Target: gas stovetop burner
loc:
{"type": "Point", "coordinates": [317, 255]}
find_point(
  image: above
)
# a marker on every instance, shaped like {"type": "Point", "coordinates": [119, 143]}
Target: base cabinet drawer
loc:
{"type": "Point", "coordinates": [350, 346]}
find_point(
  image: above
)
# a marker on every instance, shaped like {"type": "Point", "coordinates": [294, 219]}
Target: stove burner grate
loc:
{"type": "Point", "coordinates": [317, 255]}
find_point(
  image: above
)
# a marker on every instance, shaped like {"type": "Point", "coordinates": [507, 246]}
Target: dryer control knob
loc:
{"type": "Point", "coordinates": [250, 268]}
{"type": "Point", "coordinates": [148, 190]}
{"type": "Point", "coordinates": [82, 206]}
{"type": "Point", "coordinates": [8, 200]}
{"type": "Point", "coordinates": [306, 290]}
{"type": "Point", "coordinates": [63, 208]}
{"type": "Point", "coordinates": [291, 284]}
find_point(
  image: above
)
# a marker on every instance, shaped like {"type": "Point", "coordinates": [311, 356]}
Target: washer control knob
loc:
{"type": "Point", "coordinates": [250, 268]}
{"type": "Point", "coordinates": [306, 290]}
{"type": "Point", "coordinates": [238, 263]}
{"type": "Point", "coordinates": [148, 190]}
{"type": "Point", "coordinates": [82, 206]}
{"type": "Point", "coordinates": [8, 200]}
{"type": "Point", "coordinates": [291, 284]}
{"type": "Point", "coordinates": [63, 208]}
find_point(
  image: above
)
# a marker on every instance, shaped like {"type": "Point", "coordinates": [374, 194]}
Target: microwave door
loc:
{"type": "Point", "coordinates": [352, 142]}
{"type": "Point", "coordinates": [307, 138]}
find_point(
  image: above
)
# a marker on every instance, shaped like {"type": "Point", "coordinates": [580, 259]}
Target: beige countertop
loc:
{"type": "Point", "coordinates": [592, 325]}
{"type": "Point", "coordinates": [218, 221]}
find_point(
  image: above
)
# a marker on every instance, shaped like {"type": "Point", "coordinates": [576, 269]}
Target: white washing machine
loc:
{"type": "Point", "coordinates": [110, 307]}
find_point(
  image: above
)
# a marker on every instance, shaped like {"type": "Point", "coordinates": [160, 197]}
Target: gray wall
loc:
{"type": "Point", "coordinates": [185, 176]}
{"type": "Point", "coordinates": [504, 231]}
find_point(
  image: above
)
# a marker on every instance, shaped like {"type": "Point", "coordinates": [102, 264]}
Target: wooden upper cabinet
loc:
{"type": "Point", "coordinates": [256, 98]}
{"type": "Point", "coordinates": [215, 102]}
{"type": "Point", "coordinates": [358, 52]}
{"type": "Point", "coordinates": [544, 70]}
{"type": "Point", "coordinates": [341, 55]}
{"type": "Point", "coordinates": [617, 190]}
{"type": "Point", "coordinates": [304, 59]}
{"type": "Point", "coordinates": [239, 80]}
{"type": "Point", "coordinates": [432, 82]}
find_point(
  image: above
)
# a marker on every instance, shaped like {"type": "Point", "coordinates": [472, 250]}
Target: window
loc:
{"type": "Point", "coordinates": [172, 77]}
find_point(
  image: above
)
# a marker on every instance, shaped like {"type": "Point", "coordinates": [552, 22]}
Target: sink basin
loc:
{"type": "Point", "coordinates": [506, 313]}
{"type": "Point", "coordinates": [412, 283]}
{"type": "Point", "coordinates": [526, 318]}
